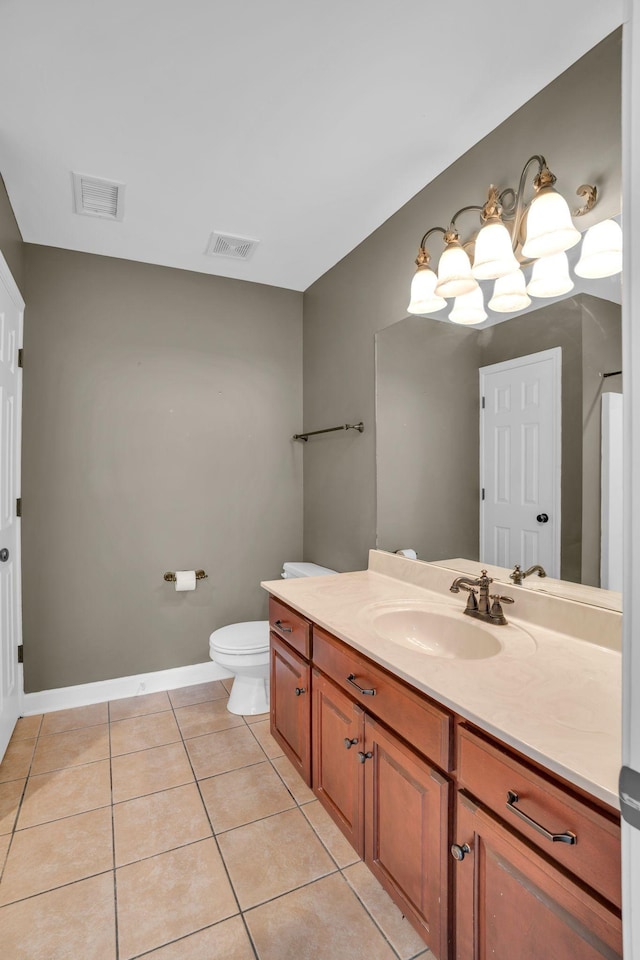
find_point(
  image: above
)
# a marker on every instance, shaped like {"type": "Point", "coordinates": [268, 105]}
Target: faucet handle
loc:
{"type": "Point", "coordinates": [472, 601]}
{"type": "Point", "coordinates": [496, 614]}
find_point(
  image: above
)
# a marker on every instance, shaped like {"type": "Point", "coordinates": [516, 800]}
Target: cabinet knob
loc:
{"type": "Point", "coordinates": [459, 852]}
{"type": "Point", "coordinates": [350, 743]}
{"type": "Point", "coordinates": [300, 690]}
{"type": "Point", "coordinates": [281, 627]}
{"type": "Point", "coordinates": [363, 757]}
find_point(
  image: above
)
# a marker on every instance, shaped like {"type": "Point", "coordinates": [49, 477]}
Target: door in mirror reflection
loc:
{"type": "Point", "coordinates": [520, 424]}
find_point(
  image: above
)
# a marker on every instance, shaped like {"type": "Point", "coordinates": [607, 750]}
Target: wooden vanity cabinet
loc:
{"type": "Point", "coordinates": [538, 869]}
{"type": "Point", "coordinates": [428, 800]}
{"type": "Point", "coordinates": [406, 819]}
{"type": "Point", "coordinates": [388, 799]}
{"type": "Point", "coordinates": [337, 745]}
{"type": "Point", "coordinates": [511, 901]}
{"type": "Point", "coordinates": [290, 679]}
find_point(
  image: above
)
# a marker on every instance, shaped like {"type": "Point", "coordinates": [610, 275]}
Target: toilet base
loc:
{"type": "Point", "coordinates": [249, 696]}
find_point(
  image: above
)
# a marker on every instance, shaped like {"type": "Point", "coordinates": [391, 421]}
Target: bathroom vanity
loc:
{"type": "Point", "coordinates": [477, 778]}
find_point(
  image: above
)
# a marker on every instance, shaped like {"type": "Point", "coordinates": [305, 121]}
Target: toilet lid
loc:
{"type": "Point", "coordinates": [249, 637]}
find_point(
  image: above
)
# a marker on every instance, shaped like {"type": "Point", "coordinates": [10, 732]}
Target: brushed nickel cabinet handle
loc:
{"type": "Point", "coordinates": [282, 628]}
{"type": "Point", "coordinates": [350, 743]}
{"type": "Point", "coordinates": [566, 837]}
{"type": "Point", "coordinates": [300, 690]}
{"type": "Point", "coordinates": [365, 693]}
{"type": "Point", "coordinates": [363, 757]}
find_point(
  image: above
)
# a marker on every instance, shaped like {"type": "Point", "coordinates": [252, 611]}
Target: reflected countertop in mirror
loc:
{"type": "Point", "coordinates": [578, 592]}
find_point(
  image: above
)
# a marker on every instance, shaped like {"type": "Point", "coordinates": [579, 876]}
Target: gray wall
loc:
{"type": "Point", "coordinates": [11, 243]}
{"type": "Point", "coordinates": [575, 122]}
{"type": "Point", "coordinates": [427, 438]}
{"type": "Point", "coordinates": [158, 412]}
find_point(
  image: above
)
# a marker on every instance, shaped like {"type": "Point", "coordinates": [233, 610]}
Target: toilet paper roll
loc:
{"type": "Point", "coordinates": [185, 579]}
{"type": "Point", "coordinates": [407, 552]}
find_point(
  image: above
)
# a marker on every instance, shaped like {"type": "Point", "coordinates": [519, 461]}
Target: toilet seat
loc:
{"type": "Point", "coordinates": [241, 639]}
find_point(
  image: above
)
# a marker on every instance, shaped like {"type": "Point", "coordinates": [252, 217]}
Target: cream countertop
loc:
{"type": "Point", "coordinates": [557, 700]}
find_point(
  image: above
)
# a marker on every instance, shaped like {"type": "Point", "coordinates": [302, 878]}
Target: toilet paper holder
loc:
{"type": "Point", "coordinates": [200, 575]}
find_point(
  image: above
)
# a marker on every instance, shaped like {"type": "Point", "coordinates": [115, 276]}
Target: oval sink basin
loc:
{"type": "Point", "coordinates": [443, 631]}
{"type": "Point", "coordinates": [438, 634]}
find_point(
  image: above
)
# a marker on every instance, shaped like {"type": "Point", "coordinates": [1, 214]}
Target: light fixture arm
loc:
{"type": "Point", "coordinates": [452, 226]}
{"type": "Point", "coordinates": [423, 257]}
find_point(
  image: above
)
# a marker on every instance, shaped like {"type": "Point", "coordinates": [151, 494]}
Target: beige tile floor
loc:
{"type": "Point", "coordinates": [163, 826]}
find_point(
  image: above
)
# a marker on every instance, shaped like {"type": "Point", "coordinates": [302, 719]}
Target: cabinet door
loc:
{"type": "Point", "coordinates": [512, 902]}
{"type": "Point", "coordinates": [291, 705]}
{"type": "Point", "coordinates": [338, 773]}
{"type": "Point", "coordinates": [406, 832]}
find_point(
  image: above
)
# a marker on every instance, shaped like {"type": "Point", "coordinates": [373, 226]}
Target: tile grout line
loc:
{"type": "Point", "coordinates": [113, 842]}
{"type": "Point", "coordinates": [21, 801]}
{"type": "Point", "coordinates": [215, 839]}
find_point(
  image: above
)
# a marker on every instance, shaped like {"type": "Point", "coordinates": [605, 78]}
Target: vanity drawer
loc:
{"type": "Point", "coordinates": [291, 626]}
{"type": "Point", "coordinates": [491, 774]}
{"type": "Point", "coordinates": [414, 718]}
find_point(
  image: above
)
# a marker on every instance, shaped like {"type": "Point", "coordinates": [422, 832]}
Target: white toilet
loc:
{"type": "Point", "coordinates": [243, 649]}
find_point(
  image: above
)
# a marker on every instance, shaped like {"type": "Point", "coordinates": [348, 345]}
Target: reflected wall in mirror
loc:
{"type": "Point", "coordinates": [427, 426]}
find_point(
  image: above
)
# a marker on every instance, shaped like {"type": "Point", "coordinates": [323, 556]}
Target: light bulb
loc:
{"type": "Point", "coordinates": [550, 277]}
{"type": "Point", "coordinates": [601, 254]}
{"type": "Point", "coordinates": [469, 308]}
{"type": "Point", "coordinates": [549, 226]}
{"type": "Point", "coordinates": [509, 294]}
{"type": "Point", "coordinates": [494, 254]}
{"type": "Point", "coordinates": [423, 299]}
{"type": "Point", "coordinates": [454, 272]}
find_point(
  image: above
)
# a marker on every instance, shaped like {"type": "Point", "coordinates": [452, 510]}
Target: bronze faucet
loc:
{"type": "Point", "coordinates": [478, 604]}
{"type": "Point", "coordinates": [518, 575]}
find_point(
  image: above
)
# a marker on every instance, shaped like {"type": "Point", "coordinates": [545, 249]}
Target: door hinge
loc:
{"type": "Point", "coordinates": [483, 493]}
{"type": "Point", "coordinates": [19, 507]}
{"type": "Point", "coordinates": [20, 357]}
{"type": "Point", "coordinates": [20, 654]}
{"type": "Point", "coordinates": [483, 401]}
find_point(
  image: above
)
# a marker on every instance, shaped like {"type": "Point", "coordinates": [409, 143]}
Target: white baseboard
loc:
{"type": "Point", "coordinates": [85, 694]}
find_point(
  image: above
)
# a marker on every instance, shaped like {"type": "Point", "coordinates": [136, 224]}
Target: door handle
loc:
{"type": "Point", "coordinates": [543, 518]}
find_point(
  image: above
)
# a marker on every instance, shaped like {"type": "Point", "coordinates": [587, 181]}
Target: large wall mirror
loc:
{"type": "Point", "coordinates": [428, 415]}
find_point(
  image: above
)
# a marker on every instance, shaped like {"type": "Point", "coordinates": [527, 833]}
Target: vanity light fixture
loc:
{"type": "Point", "coordinates": [494, 257]}
{"type": "Point", "coordinates": [550, 276]}
{"type": "Point", "coordinates": [469, 308]}
{"type": "Point", "coordinates": [601, 254]}
{"type": "Point", "coordinates": [513, 234]}
{"type": "Point", "coordinates": [423, 296]}
{"type": "Point", "coordinates": [510, 293]}
{"type": "Point", "coordinates": [454, 270]}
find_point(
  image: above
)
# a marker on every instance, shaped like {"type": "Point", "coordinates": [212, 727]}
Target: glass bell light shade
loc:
{"type": "Point", "coordinates": [510, 294]}
{"type": "Point", "coordinates": [550, 277]}
{"type": "Point", "coordinates": [550, 228]}
{"type": "Point", "coordinates": [601, 254]}
{"type": "Point", "coordinates": [454, 272]}
{"type": "Point", "coordinates": [469, 308]}
{"type": "Point", "coordinates": [423, 299]}
{"type": "Point", "coordinates": [494, 254]}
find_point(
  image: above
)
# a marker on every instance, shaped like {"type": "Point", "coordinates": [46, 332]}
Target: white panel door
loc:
{"type": "Point", "coordinates": [520, 425]}
{"type": "Point", "coordinates": [11, 313]}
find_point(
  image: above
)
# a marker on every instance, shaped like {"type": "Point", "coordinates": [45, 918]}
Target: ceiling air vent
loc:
{"type": "Point", "coordinates": [95, 197]}
{"type": "Point", "coordinates": [224, 245]}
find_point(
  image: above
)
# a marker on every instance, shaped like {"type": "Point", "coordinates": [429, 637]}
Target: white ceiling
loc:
{"type": "Point", "coordinates": [302, 125]}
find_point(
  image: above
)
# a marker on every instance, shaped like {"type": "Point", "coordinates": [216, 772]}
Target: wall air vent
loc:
{"type": "Point", "coordinates": [95, 197]}
{"type": "Point", "coordinates": [224, 245]}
